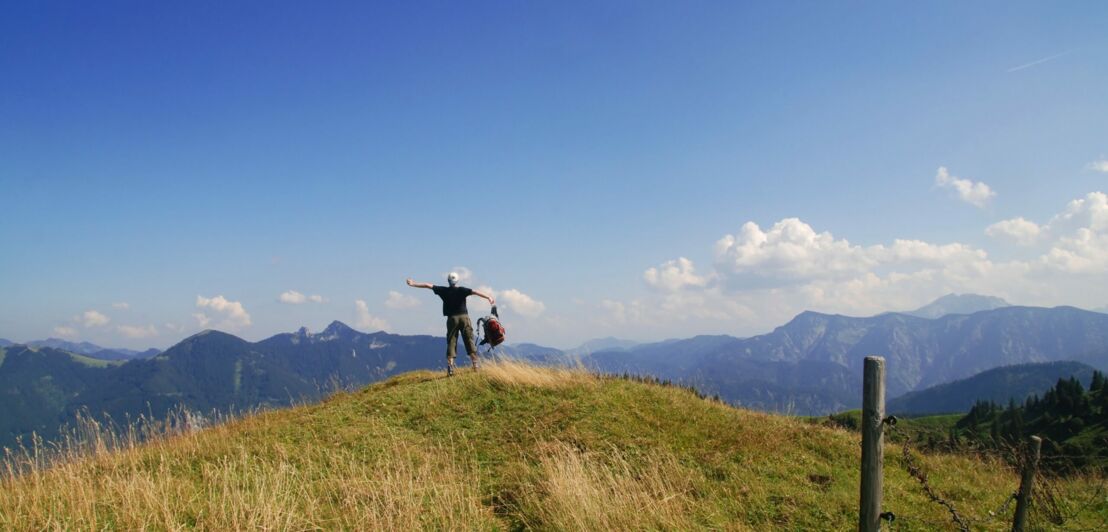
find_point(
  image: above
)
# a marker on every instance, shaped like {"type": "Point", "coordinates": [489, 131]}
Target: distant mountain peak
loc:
{"type": "Point", "coordinates": [806, 318]}
{"type": "Point", "coordinates": [336, 326]}
{"type": "Point", "coordinates": [210, 333]}
{"type": "Point", "coordinates": [958, 304]}
{"type": "Point", "coordinates": [337, 329]}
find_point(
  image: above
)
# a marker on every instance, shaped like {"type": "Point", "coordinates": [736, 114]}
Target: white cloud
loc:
{"type": "Point", "coordinates": [789, 252]}
{"type": "Point", "coordinates": [92, 318]}
{"type": "Point", "coordinates": [293, 297]}
{"type": "Point", "coordinates": [367, 321]}
{"type": "Point", "coordinates": [674, 275]}
{"type": "Point", "coordinates": [1018, 230]}
{"type": "Point", "coordinates": [234, 314]}
{"type": "Point", "coordinates": [397, 300]}
{"type": "Point", "coordinates": [975, 193]}
{"type": "Point", "coordinates": [135, 331]}
{"type": "Point", "coordinates": [1085, 252]}
{"type": "Point", "coordinates": [202, 319]}
{"type": "Point", "coordinates": [122, 305]}
{"type": "Point", "coordinates": [1099, 166]}
{"type": "Point", "coordinates": [511, 299]}
{"type": "Point", "coordinates": [175, 327]}
{"type": "Point", "coordinates": [919, 253]}
{"type": "Point", "coordinates": [762, 278]}
{"type": "Point", "coordinates": [521, 303]}
{"type": "Point", "coordinates": [63, 331]}
{"type": "Point", "coordinates": [1081, 237]}
{"type": "Point", "coordinates": [616, 309]}
{"type": "Point", "coordinates": [792, 252]}
{"type": "Point", "coordinates": [1089, 212]}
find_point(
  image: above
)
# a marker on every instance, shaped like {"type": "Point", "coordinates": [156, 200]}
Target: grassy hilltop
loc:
{"type": "Point", "coordinates": [511, 447]}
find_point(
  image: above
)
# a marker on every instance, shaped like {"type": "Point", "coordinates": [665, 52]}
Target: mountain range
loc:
{"type": "Point", "coordinates": [811, 365]}
{"type": "Point", "coordinates": [87, 348]}
{"type": "Point", "coordinates": [43, 387]}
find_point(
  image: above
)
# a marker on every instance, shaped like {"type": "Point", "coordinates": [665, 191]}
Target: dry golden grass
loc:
{"type": "Point", "coordinates": [515, 373]}
{"type": "Point", "coordinates": [207, 481]}
{"type": "Point", "coordinates": [604, 491]}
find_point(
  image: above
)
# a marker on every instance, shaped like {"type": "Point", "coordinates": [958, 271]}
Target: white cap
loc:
{"type": "Point", "coordinates": [452, 278]}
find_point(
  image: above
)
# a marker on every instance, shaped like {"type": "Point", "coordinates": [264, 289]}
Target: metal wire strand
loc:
{"type": "Point", "coordinates": [917, 473]}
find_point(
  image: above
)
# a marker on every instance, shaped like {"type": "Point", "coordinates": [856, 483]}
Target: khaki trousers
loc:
{"type": "Point", "coordinates": [459, 323]}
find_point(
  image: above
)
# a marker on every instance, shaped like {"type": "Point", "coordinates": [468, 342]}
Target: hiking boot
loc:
{"type": "Point", "coordinates": [474, 365]}
{"type": "Point", "coordinates": [450, 370]}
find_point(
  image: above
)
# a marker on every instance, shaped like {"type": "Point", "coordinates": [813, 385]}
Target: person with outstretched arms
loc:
{"type": "Point", "coordinates": [457, 316]}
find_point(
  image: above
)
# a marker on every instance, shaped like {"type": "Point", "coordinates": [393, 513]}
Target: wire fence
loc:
{"type": "Point", "coordinates": [932, 494]}
{"type": "Point", "coordinates": [1050, 507]}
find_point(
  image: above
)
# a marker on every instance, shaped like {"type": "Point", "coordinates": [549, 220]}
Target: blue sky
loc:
{"type": "Point", "coordinates": [166, 168]}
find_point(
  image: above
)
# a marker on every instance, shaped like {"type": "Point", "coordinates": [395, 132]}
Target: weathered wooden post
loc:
{"type": "Point", "coordinates": [1027, 483]}
{"type": "Point", "coordinates": [873, 443]}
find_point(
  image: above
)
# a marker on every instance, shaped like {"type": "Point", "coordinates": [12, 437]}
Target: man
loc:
{"type": "Point", "coordinates": [457, 317]}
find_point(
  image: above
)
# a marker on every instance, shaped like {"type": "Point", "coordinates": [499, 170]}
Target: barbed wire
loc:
{"type": "Point", "coordinates": [1004, 507]}
{"type": "Point", "coordinates": [1058, 510]}
{"type": "Point", "coordinates": [1047, 505]}
{"type": "Point", "coordinates": [1096, 496]}
{"type": "Point", "coordinates": [916, 472]}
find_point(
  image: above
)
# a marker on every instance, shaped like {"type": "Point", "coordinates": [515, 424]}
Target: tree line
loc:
{"type": "Point", "coordinates": [1072, 420]}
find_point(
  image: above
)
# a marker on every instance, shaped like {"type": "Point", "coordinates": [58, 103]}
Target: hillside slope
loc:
{"type": "Point", "coordinates": [998, 385]}
{"type": "Point", "coordinates": [37, 385]}
{"type": "Point", "coordinates": [512, 447]}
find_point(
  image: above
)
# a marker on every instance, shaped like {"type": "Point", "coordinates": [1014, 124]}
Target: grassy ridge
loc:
{"type": "Point", "coordinates": [511, 447]}
{"type": "Point", "coordinates": [918, 429]}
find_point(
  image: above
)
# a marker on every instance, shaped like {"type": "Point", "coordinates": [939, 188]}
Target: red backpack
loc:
{"type": "Point", "coordinates": [491, 329]}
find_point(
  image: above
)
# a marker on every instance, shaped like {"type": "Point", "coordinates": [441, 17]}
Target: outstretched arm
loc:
{"type": "Point", "coordinates": [414, 284]}
{"type": "Point", "coordinates": [490, 299]}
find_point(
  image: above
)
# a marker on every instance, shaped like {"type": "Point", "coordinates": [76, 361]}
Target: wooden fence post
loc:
{"type": "Point", "coordinates": [873, 443]}
{"type": "Point", "coordinates": [1027, 483]}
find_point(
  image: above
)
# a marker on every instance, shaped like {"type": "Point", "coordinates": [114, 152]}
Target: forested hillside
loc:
{"type": "Point", "coordinates": [1072, 420]}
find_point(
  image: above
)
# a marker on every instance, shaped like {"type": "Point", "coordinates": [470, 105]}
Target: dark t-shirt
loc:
{"type": "Point", "coordinates": [453, 299]}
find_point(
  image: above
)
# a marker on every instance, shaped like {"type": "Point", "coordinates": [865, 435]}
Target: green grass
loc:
{"type": "Point", "coordinates": [919, 429]}
{"type": "Point", "coordinates": [94, 362]}
{"type": "Point", "coordinates": [80, 359]}
{"type": "Point", "coordinates": [545, 450]}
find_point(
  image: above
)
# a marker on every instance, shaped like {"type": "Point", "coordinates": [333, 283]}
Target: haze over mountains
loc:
{"type": "Point", "coordinates": [957, 304]}
{"type": "Point", "coordinates": [87, 348]}
{"type": "Point", "coordinates": [811, 365]}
